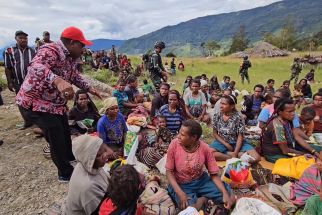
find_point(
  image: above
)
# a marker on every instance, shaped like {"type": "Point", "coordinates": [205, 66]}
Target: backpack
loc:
{"type": "Point", "coordinates": [156, 200]}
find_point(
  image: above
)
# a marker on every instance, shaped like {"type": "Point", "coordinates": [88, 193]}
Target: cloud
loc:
{"type": "Point", "coordinates": [111, 19]}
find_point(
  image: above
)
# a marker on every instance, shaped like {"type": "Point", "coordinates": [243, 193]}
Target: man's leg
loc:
{"type": "Point", "coordinates": [67, 135]}
{"type": "Point", "coordinates": [242, 77]}
{"type": "Point", "coordinates": [53, 127]}
{"type": "Point", "coordinates": [296, 78]}
{"type": "Point", "coordinates": [156, 82]}
{"type": "Point", "coordinates": [247, 76]}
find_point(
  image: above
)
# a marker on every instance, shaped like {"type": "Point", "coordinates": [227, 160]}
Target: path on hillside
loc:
{"type": "Point", "coordinates": [28, 181]}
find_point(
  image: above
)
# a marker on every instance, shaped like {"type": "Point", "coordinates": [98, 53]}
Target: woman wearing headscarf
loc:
{"type": "Point", "coordinates": [111, 127]}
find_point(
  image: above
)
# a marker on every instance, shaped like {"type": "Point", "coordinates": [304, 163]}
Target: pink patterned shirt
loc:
{"type": "Point", "coordinates": [186, 166]}
{"type": "Point", "coordinates": [38, 91]}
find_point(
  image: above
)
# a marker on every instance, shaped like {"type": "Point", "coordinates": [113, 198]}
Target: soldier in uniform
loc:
{"type": "Point", "coordinates": [243, 70]}
{"type": "Point", "coordinates": [156, 69]}
{"type": "Point", "coordinates": [296, 69]}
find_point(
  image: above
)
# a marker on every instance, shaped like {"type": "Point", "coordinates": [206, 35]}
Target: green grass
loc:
{"type": "Point", "coordinates": [262, 69]}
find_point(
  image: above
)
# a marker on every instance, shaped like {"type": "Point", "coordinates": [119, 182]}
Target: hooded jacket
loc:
{"type": "Point", "coordinates": [87, 185]}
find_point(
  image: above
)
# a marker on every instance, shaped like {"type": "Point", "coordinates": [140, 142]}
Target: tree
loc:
{"type": "Point", "coordinates": [240, 41]}
{"type": "Point", "coordinates": [170, 54]}
{"type": "Point", "coordinates": [212, 46]}
{"type": "Point", "coordinates": [287, 36]}
{"type": "Point", "coordinates": [202, 46]}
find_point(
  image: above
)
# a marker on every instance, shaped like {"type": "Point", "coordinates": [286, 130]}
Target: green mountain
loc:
{"type": "Point", "coordinates": [185, 38]}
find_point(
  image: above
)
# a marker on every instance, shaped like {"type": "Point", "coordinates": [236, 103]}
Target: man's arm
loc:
{"type": "Point", "coordinates": [8, 70]}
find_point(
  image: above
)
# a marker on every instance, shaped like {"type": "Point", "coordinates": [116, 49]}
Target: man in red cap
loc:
{"type": "Point", "coordinates": [47, 87]}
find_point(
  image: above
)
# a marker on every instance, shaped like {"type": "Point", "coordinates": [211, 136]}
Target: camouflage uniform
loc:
{"type": "Point", "coordinates": [296, 69]}
{"type": "Point", "coordinates": [243, 71]}
{"type": "Point", "coordinates": [155, 70]}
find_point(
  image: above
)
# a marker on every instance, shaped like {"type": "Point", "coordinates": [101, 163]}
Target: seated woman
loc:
{"type": "Point", "coordinates": [189, 184]}
{"type": "Point", "coordinates": [278, 140]}
{"type": "Point", "coordinates": [229, 128]}
{"type": "Point", "coordinates": [89, 181]}
{"type": "Point", "coordinates": [150, 155]}
{"type": "Point", "coordinates": [306, 90]}
{"type": "Point", "coordinates": [123, 192]}
{"type": "Point", "coordinates": [111, 127]}
{"type": "Point", "coordinates": [83, 109]}
{"type": "Point", "coordinates": [196, 103]}
{"type": "Point", "coordinates": [173, 112]}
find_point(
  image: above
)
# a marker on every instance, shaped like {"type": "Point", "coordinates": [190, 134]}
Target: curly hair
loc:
{"type": "Point", "coordinates": [123, 188]}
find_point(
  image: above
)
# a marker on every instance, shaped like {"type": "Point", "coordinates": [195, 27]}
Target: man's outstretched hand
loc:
{"type": "Point", "coordinates": [95, 92]}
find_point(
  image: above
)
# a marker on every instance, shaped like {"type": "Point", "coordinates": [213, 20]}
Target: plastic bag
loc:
{"type": "Point", "coordinates": [130, 145]}
{"type": "Point", "coordinates": [253, 206]}
{"type": "Point", "coordinates": [161, 164]}
{"type": "Point", "coordinates": [237, 174]}
{"type": "Point", "coordinates": [292, 167]}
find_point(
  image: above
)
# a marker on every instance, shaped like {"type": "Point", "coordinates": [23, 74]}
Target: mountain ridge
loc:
{"type": "Point", "coordinates": [305, 15]}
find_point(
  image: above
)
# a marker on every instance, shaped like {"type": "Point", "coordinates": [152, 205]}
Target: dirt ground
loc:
{"type": "Point", "coordinates": [28, 181]}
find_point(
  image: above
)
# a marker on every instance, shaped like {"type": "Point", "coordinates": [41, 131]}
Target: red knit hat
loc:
{"type": "Point", "coordinates": [74, 33]}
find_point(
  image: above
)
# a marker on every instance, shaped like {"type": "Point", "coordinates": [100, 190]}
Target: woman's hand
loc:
{"type": "Point", "coordinates": [228, 200]}
{"type": "Point", "coordinates": [183, 200]}
{"type": "Point", "coordinates": [229, 147]}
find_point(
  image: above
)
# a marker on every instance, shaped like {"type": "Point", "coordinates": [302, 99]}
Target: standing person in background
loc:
{"type": "Point", "coordinates": [45, 40]}
{"type": "Point", "coordinates": [181, 66]}
{"type": "Point", "coordinates": [243, 70]}
{"type": "Point", "coordinates": [156, 69]}
{"type": "Point", "coordinates": [173, 67]}
{"type": "Point", "coordinates": [296, 69]}
{"type": "Point", "coordinates": [16, 61]}
{"type": "Point", "coordinates": [47, 88]}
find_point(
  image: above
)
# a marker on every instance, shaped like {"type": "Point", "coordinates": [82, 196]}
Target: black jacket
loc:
{"type": "Point", "coordinates": [247, 106]}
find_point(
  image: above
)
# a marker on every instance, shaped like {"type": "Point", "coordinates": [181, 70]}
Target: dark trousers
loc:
{"type": "Point", "coordinates": [57, 133]}
{"type": "Point", "coordinates": [1, 100]}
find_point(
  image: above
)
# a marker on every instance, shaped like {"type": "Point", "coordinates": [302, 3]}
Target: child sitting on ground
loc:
{"type": "Point", "coordinates": [232, 87]}
{"type": "Point", "coordinates": [123, 191]}
{"type": "Point", "coordinates": [189, 184]}
{"type": "Point", "coordinates": [147, 90]}
{"type": "Point", "coordinates": [123, 102]}
{"type": "Point", "coordinates": [150, 155]}
{"type": "Point", "coordinates": [306, 120]}
{"type": "Point", "coordinates": [298, 95]}
{"type": "Point", "coordinates": [268, 100]}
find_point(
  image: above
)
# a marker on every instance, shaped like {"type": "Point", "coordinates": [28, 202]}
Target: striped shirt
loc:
{"type": "Point", "coordinates": [173, 120]}
{"type": "Point", "coordinates": [17, 61]}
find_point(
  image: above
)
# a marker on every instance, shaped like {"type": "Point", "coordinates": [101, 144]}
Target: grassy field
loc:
{"type": "Point", "coordinates": [262, 69]}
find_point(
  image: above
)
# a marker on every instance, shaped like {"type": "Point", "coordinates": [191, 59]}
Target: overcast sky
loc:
{"type": "Point", "coordinates": [111, 19]}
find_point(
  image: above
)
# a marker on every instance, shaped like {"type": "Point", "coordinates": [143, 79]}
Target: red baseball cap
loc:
{"type": "Point", "coordinates": [74, 33]}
